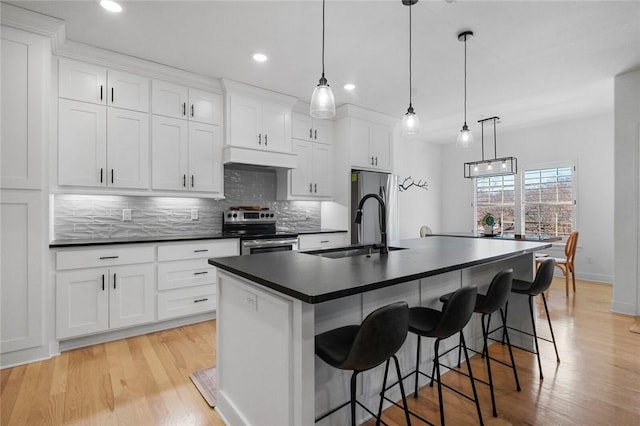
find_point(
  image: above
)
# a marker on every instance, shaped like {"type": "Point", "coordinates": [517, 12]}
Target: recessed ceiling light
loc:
{"type": "Point", "coordinates": [349, 86]}
{"type": "Point", "coordinates": [260, 57]}
{"type": "Point", "coordinates": [111, 6]}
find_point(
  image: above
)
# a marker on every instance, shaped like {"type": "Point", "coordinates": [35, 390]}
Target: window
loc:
{"type": "Point", "coordinates": [548, 201]}
{"type": "Point", "coordinates": [541, 202]}
{"type": "Point", "coordinates": [496, 195]}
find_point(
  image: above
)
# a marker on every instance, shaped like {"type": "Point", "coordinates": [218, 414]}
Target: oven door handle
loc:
{"type": "Point", "coordinates": [269, 243]}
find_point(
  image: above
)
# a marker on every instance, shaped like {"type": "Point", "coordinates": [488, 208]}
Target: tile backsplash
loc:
{"type": "Point", "coordinates": [100, 216]}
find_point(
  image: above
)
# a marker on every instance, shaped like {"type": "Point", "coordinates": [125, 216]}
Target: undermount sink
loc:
{"type": "Point", "coordinates": [349, 251]}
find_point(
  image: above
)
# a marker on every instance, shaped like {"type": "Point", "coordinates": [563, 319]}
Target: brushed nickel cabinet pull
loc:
{"type": "Point", "coordinates": [192, 110]}
{"type": "Point", "coordinates": [184, 108]}
{"type": "Point", "coordinates": [310, 133]}
{"type": "Point", "coordinates": [315, 134]}
{"type": "Point", "coordinates": [266, 141]}
{"type": "Point", "coordinates": [311, 187]}
{"type": "Point", "coordinates": [315, 187]}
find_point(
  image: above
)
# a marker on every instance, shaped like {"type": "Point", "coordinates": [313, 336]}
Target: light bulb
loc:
{"type": "Point", "coordinates": [465, 138]}
{"type": "Point", "coordinates": [410, 123]}
{"type": "Point", "coordinates": [475, 168]}
{"type": "Point", "coordinates": [504, 164]}
{"type": "Point", "coordinates": [323, 104]}
{"type": "Point", "coordinates": [489, 166]}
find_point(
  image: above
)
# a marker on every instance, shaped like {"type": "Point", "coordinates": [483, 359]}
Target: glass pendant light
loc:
{"type": "Point", "coordinates": [465, 138]}
{"type": "Point", "coordinates": [410, 122]}
{"type": "Point", "coordinates": [323, 104]}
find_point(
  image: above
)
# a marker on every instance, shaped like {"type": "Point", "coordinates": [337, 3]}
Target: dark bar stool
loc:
{"type": "Point", "coordinates": [360, 348]}
{"type": "Point", "coordinates": [495, 300]}
{"type": "Point", "coordinates": [427, 322]}
{"type": "Point", "coordinates": [540, 284]}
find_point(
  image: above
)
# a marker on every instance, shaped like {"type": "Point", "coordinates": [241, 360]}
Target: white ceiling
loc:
{"type": "Point", "coordinates": [529, 62]}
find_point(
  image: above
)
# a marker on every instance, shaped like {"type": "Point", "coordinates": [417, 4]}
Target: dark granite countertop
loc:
{"type": "Point", "coordinates": [164, 239]}
{"type": "Point", "coordinates": [316, 279]}
{"type": "Point", "coordinates": [543, 238]}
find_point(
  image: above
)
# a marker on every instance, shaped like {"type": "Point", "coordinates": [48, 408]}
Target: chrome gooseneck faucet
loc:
{"type": "Point", "coordinates": [384, 249]}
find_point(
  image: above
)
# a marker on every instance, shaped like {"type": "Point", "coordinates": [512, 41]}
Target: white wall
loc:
{"type": "Point", "coordinates": [586, 141]}
{"type": "Point", "coordinates": [626, 287]}
{"type": "Point", "coordinates": [416, 207]}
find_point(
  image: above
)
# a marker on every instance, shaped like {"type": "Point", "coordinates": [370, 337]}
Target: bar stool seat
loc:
{"type": "Point", "coordinates": [362, 347]}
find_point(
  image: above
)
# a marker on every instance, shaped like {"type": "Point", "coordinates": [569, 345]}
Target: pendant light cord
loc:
{"type": "Point", "coordinates": [410, 76]}
{"type": "Point", "coordinates": [465, 80]}
{"type": "Point", "coordinates": [323, 38]}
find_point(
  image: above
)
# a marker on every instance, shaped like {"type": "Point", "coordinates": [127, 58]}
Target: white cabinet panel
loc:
{"type": "Point", "coordinates": [205, 158]}
{"type": "Point", "coordinates": [169, 155]}
{"type": "Point", "coordinates": [276, 124]}
{"type": "Point", "coordinates": [169, 99]}
{"type": "Point", "coordinates": [82, 302]}
{"type": "Point", "coordinates": [128, 148]}
{"type": "Point", "coordinates": [312, 177]}
{"type": "Point", "coordinates": [185, 273]}
{"type": "Point", "coordinates": [132, 295]}
{"type": "Point", "coordinates": [305, 127]}
{"type": "Point", "coordinates": [371, 145]}
{"type": "Point", "coordinates": [325, 240]}
{"type": "Point", "coordinates": [202, 250]}
{"type": "Point", "coordinates": [21, 273]}
{"type": "Point", "coordinates": [186, 301]}
{"type": "Point", "coordinates": [245, 121]}
{"type": "Point", "coordinates": [105, 256]}
{"type": "Point", "coordinates": [23, 106]}
{"type": "Point", "coordinates": [128, 91]}
{"type": "Point", "coordinates": [82, 82]}
{"type": "Point", "coordinates": [321, 170]}
{"type": "Point", "coordinates": [301, 179]}
{"type": "Point", "coordinates": [381, 146]}
{"type": "Point", "coordinates": [82, 141]}
{"type": "Point", "coordinates": [205, 107]}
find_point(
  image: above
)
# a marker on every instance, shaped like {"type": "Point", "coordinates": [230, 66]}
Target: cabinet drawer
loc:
{"type": "Point", "coordinates": [185, 273]}
{"type": "Point", "coordinates": [221, 248]}
{"type": "Point", "coordinates": [111, 256]}
{"type": "Point", "coordinates": [187, 301]}
{"type": "Point", "coordinates": [308, 242]}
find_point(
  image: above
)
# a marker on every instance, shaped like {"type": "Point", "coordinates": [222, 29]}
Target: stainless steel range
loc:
{"type": "Point", "coordinates": [256, 228]}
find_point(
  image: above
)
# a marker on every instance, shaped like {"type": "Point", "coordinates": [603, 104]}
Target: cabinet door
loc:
{"type": "Point", "coordinates": [301, 176]}
{"type": "Point", "coordinates": [205, 158]}
{"type": "Point", "coordinates": [21, 287]}
{"type": "Point", "coordinates": [82, 82]}
{"type": "Point", "coordinates": [132, 295]}
{"type": "Point", "coordinates": [82, 302]}
{"type": "Point", "coordinates": [245, 128]}
{"type": "Point", "coordinates": [381, 146]}
{"type": "Point", "coordinates": [205, 107]}
{"type": "Point", "coordinates": [301, 126]}
{"type": "Point", "coordinates": [169, 155]}
{"type": "Point", "coordinates": [276, 127]}
{"type": "Point", "coordinates": [127, 149]}
{"type": "Point", "coordinates": [23, 106]}
{"type": "Point", "coordinates": [321, 168]}
{"type": "Point", "coordinates": [169, 99]}
{"type": "Point", "coordinates": [322, 131]}
{"type": "Point", "coordinates": [128, 91]}
{"type": "Point", "coordinates": [82, 144]}
{"type": "Point", "coordinates": [360, 134]}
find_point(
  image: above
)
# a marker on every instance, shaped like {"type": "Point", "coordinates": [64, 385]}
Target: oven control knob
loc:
{"type": "Point", "coordinates": [261, 214]}
{"type": "Point", "coordinates": [271, 214]}
{"type": "Point", "coordinates": [235, 215]}
{"type": "Point", "coordinates": [229, 215]}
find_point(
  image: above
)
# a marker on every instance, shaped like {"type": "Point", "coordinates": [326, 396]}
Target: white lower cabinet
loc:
{"type": "Point", "coordinates": [99, 299]}
{"type": "Point", "coordinates": [103, 289]}
{"type": "Point", "coordinates": [323, 240]}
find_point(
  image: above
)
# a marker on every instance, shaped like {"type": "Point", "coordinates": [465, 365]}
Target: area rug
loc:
{"type": "Point", "coordinates": [206, 382]}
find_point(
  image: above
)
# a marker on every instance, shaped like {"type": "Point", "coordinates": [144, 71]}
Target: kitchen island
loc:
{"type": "Point", "coordinates": [270, 307]}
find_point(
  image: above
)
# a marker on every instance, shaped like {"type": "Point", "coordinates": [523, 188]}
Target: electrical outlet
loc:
{"type": "Point", "coordinates": [251, 301]}
{"type": "Point", "coordinates": [126, 214]}
{"type": "Point", "coordinates": [194, 214]}
{"type": "Point", "coordinates": [307, 214]}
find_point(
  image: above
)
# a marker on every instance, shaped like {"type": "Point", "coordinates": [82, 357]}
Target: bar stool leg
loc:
{"type": "Point", "coordinates": [506, 334]}
{"type": "Point", "coordinates": [353, 398]}
{"type": "Point", "coordinates": [485, 350]}
{"type": "Point", "coordinates": [436, 361]}
{"type": "Point", "coordinates": [404, 396]}
{"type": "Point", "coordinates": [473, 384]}
{"type": "Point", "coordinates": [546, 309]}
{"type": "Point", "coordinates": [415, 392]}
{"type": "Point", "coordinates": [384, 386]}
{"type": "Point", "coordinates": [535, 335]}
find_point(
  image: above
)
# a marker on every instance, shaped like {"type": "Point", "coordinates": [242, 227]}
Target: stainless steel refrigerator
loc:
{"type": "Point", "coordinates": [365, 182]}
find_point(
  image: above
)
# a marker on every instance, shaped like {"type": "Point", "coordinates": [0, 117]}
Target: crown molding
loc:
{"type": "Point", "coordinates": [37, 23]}
{"type": "Point", "coordinates": [257, 92]}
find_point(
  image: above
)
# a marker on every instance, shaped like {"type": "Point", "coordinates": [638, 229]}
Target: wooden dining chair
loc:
{"type": "Point", "coordinates": [566, 264]}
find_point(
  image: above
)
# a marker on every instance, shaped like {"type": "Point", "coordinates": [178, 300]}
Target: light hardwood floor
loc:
{"type": "Point", "coordinates": [145, 380]}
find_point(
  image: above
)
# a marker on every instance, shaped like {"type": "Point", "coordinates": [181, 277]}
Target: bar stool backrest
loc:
{"type": "Point", "coordinates": [543, 277]}
{"type": "Point", "coordinates": [380, 336]}
{"type": "Point", "coordinates": [498, 291]}
{"type": "Point", "coordinates": [456, 312]}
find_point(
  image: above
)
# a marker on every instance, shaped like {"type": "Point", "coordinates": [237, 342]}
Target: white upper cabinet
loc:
{"type": "Point", "coordinates": [186, 156]}
{"type": "Point", "coordinates": [99, 147]}
{"type": "Point", "coordinates": [305, 127]}
{"type": "Point", "coordinates": [259, 124]}
{"type": "Point", "coordinates": [370, 145]}
{"type": "Point", "coordinates": [23, 106]}
{"type": "Point", "coordinates": [177, 101]}
{"type": "Point", "coordinates": [92, 83]}
{"type": "Point", "coordinates": [312, 178]}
